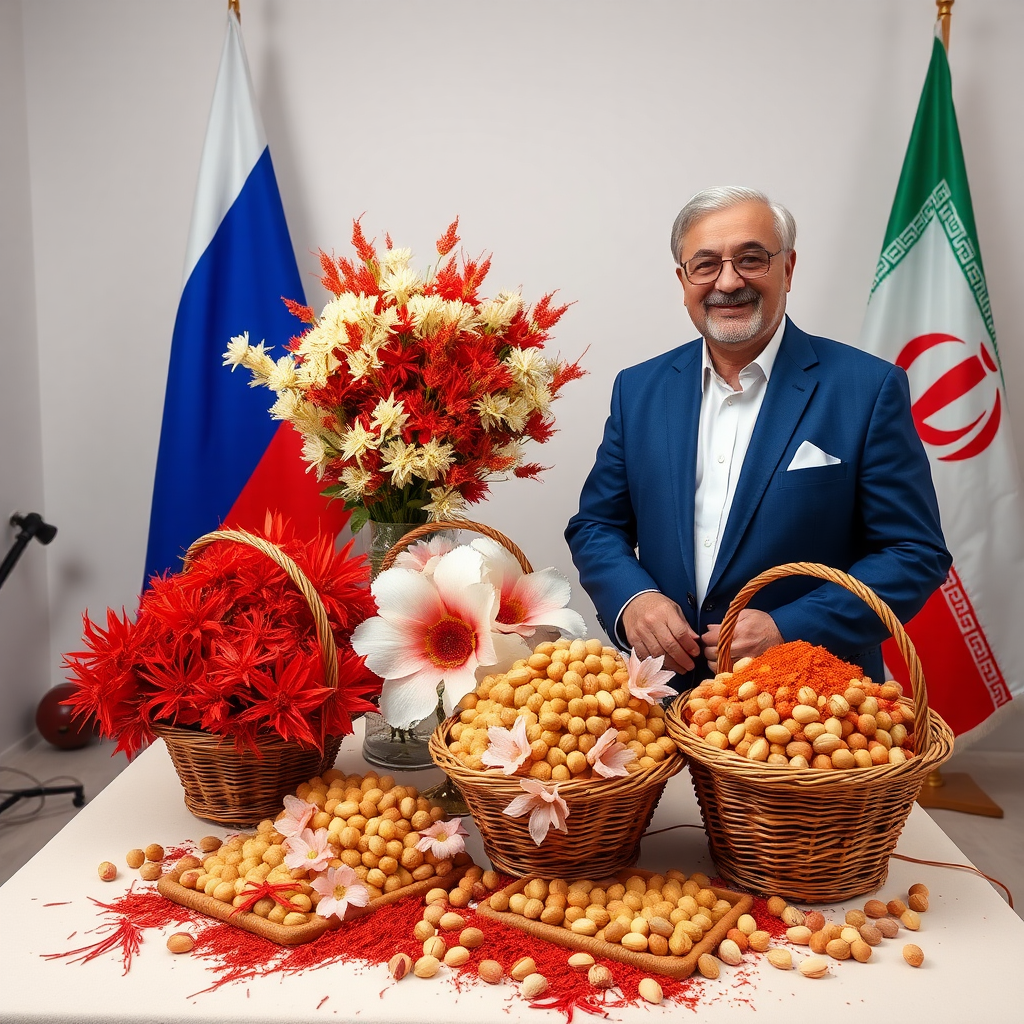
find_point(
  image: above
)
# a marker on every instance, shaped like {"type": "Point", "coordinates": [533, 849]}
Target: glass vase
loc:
{"type": "Point", "coordinates": [384, 746]}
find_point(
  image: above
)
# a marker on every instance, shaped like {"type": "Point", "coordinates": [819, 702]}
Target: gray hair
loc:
{"type": "Point", "coordinates": [721, 197]}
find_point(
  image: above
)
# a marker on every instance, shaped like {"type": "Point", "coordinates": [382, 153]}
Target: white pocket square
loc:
{"type": "Point", "coordinates": [809, 455]}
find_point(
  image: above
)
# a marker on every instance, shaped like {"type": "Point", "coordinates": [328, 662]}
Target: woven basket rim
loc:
{"type": "Point", "coordinates": [728, 762]}
{"type": "Point", "coordinates": [440, 525]}
{"type": "Point", "coordinates": [202, 738]}
{"type": "Point", "coordinates": [595, 788]}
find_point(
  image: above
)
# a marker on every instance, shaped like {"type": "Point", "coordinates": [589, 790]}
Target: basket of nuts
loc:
{"type": "Point", "coordinates": [805, 770]}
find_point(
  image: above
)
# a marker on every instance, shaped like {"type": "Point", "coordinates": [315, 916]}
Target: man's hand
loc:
{"type": "Point", "coordinates": [654, 624]}
{"type": "Point", "coordinates": [755, 632]}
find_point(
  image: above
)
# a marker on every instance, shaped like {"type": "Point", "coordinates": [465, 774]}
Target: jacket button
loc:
{"type": "Point", "coordinates": [691, 600]}
{"type": "Point", "coordinates": [709, 606]}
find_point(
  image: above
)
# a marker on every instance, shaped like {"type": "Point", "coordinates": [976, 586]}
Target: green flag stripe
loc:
{"type": "Point", "coordinates": [933, 182]}
{"type": "Point", "coordinates": [940, 204]}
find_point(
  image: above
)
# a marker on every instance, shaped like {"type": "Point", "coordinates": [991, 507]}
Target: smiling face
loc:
{"type": "Point", "coordinates": [736, 316]}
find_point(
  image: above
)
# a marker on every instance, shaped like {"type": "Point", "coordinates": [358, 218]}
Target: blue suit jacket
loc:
{"type": "Point", "coordinates": [874, 515]}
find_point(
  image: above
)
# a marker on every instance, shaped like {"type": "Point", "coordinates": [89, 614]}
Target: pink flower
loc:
{"type": "Point", "coordinates": [424, 554]}
{"type": "Point", "coordinates": [509, 748]}
{"type": "Point", "coordinates": [308, 850]}
{"type": "Point", "coordinates": [428, 632]}
{"type": "Point", "coordinates": [296, 816]}
{"type": "Point", "coordinates": [443, 839]}
{"type": "Point", "coordinates": [647, 679]}
{"type": "Point", "coordinates": [340, 888]}
{"type": "Point", "coordinates": [547, 809]}
{"type": "Point", "coordinates": [609, 757]}
{"type": "Point", "coordinates": [527, 600]}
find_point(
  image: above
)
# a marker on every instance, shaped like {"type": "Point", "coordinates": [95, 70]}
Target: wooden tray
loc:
{"type": "Point", "coordinates": [669, 966]}
{"type": "Point", "coordinates": [294, 934]}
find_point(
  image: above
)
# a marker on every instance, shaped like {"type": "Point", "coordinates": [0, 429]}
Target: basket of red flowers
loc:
{"type": "Point", "coordinates": [240, 663]}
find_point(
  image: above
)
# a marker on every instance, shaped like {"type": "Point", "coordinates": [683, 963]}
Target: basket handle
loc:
{"type": "Point", "coordinates": [425, 529]}
{"type": "Point", "coordinates": [922, 728]}
{"type": "Point", "coordinates": [324, 633]}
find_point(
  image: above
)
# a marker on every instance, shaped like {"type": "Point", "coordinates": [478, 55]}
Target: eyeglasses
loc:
{"type": "Point", "coordinates": [751, 263]}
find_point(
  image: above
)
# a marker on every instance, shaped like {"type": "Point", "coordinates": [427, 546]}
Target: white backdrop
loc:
{"type": "Point", "coordinates": [565, 134]}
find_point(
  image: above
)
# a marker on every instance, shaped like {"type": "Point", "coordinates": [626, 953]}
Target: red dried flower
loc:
{"type": "Point", "coordinates": [229, 646]}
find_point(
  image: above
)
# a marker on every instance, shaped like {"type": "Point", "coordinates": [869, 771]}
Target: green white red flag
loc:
{"type": "Point", "coordinates": [929, 313]}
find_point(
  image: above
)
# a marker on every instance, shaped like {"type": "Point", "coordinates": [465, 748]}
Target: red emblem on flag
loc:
{"type": "Point", "coordinates": [971, 386]}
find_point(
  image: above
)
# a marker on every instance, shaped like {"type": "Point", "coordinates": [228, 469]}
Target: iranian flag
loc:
{"type": "Point", "coordinates": [929, 312]}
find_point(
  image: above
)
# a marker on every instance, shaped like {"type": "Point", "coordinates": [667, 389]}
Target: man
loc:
{"type": "Point", "coordinates": [756, 446]}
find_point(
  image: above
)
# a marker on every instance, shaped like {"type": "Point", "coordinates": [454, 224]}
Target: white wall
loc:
{"type": "Point", "coordinates": [566, 135]}
{"type": "Point", "coordinates": [24, 620]}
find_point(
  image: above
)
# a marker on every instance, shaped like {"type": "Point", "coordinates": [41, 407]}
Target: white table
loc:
{"type": "Point", "coordinates": [971, 939]}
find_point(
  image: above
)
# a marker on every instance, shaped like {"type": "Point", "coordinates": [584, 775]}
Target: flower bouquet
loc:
{"type": "Point", "coordinates": [245, 653]}
{"type": "Point", "coordinates": [410, 391]}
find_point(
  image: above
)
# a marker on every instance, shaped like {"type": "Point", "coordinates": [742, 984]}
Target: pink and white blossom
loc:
{"type": "Point", "coordinates": [423, 555]}
{"type": "Point", "coordinates": [609, 757]}
{"type": "Point", "coordinates": [527, 600]}
{"type": "Point", "coordinates": [296, 816]}
{"type": "Point", "coordinates": [339, 888]}
{"type": "Point", "coordinates": [647, 679]}
{"type": "Point", "coordinates": [546, 808]}
{"type": "Point", "coordinates": [309, 850]}
{"type": "Point", "coordinates": [428, 632]}
{"type": "Point", "coordinates": [508, 749]}
{"type": "Point", "coordinates": [444, 839]}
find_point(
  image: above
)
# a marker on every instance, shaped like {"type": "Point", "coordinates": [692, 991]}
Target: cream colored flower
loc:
{"type": "Point", "coordinates": [316, 367]}
{"type": "Point", "coordinates": [357, 440]}
{"type": "Point", "coordinates": [403, 461]}
{"type": "Point", "coordinates": [516, 414]}
{"type": "Point", "coordinates": [317, 453]}
{"type": "Point", "coordinates": [356, 481]}
{"type": "Point", "coordinates": [497, 314]}
{"type": "Point", "coordinates": [238, 349]}
{"type": "Point", "coordinates": [394, 260]}
{"type": "Point", "coordinates": [436, 458]}
{"type": "Point", "coordinates": [427, 313]}
{"type": "Point", "coordinates": [445, 503]}
{"type": "Point", "coordinates": [461, 314]}
{"type": "Point", "coordinates": [389, 416]}
{"type": "Point", "coordinates": [528, 365]}
{"type": "Point", "coordinates": [492, 409]}
{"type": "Point", "coordinates": [401, 284]}
{"type": "Point", "coordinates": [361, 362]}
{"type": "Point", "coordinates": [282, 376]}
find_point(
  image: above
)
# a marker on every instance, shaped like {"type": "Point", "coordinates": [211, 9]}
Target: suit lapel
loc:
{"type": "Point", "coordinates": [789, 390]}
{"type": "Point", "coordinates": [682, 417]}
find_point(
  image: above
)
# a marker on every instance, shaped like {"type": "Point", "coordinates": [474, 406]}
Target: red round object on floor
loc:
{"type": "Point", "coordinates": [53, 720]}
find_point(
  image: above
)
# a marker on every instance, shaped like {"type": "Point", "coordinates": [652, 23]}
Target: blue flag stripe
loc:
{"type": "Point", "coordinates": [215, 427]}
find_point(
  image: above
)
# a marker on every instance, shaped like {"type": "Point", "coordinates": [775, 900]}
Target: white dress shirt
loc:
{"type": "Point", "coordinates": [727, 420]}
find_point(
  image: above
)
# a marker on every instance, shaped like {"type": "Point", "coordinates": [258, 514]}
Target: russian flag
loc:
{"type": "Point", "coordinates": [222, 459]}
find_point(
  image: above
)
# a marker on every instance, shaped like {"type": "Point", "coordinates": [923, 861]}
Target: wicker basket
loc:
{"type": "Point", "coordinates": [808, 834]}
{"type": "Point", "coordinates": [607, 817]}
{"type": "Point", "coordinates": [239, 788]}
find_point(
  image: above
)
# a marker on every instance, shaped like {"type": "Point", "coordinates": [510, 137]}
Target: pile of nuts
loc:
{"type": "Point", "coordinates": [148, 862]}
{"type": "Point", "coordinates": [763, 720]}
{"type": "Point", "coordinates": [665, 915]}
{"type": "Point", "coordinates": [373, 827]}
{"type": "Point", "coordinates": [855, 939]}
{"type": "Point", "coordinates": [570, 693]}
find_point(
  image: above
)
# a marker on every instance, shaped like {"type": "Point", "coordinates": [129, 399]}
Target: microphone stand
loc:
{"type": "Point", "coordinates": [32, 525]}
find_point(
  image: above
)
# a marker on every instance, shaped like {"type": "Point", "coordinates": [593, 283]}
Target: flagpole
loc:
{"type": "Point", "coordinates": [236, 7]}
{"type": "Point", "coordinates": [945, 11]}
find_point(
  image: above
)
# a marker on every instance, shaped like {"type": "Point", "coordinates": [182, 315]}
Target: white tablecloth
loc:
{"type": "Point", "coordinates": [971, 939]}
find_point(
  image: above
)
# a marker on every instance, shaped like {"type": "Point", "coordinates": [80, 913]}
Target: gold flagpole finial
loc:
{"type": "Point", "coordinates": [945, 10]}
{"type": "Point", "coordinates": [236, 6]}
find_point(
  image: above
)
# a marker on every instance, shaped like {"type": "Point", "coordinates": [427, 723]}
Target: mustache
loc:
{"type": "Point", "coordinates": [738, 298]}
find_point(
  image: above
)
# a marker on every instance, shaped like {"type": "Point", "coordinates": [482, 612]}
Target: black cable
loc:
{"type": "Point", "coordinates": [18, 819]}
